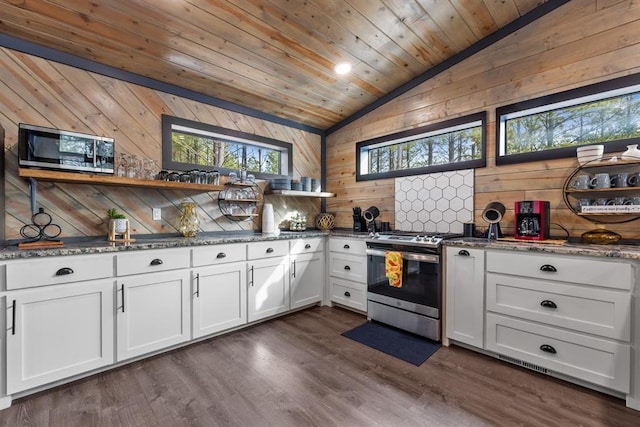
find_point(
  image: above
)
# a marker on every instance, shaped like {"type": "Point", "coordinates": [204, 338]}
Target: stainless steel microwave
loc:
{"type": "Point", "coordinates": [64, 150]}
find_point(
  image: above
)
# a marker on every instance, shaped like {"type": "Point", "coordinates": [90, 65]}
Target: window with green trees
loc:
{"type": "Point", "coordinates": [451, 145]}
{"type": "Point", "coordinates": [552, 127]}
{"type": "Point", "coordinates": [192, 145]}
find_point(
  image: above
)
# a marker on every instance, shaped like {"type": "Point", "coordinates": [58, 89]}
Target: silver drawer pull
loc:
{"type": "Point", "coordinates": [548, 304]}
{"type": "Point", "coordinates": [221, 255]}
{"type": "Point", "coordinates": [64, 271]}
{"type": "Point", "coordinates": [269, 250]}
{"type": "Point", "coordinates": [548, 349]}
{"type": "Point", "coordinates": [156, 261]}
{"type": "Point", "coordinates": [347, 294]}
{"type": "Point", "coordinates": [346, 247]}
{"type": "Point", "coordinates": [307, 246]}
{"type": "Point", "coordinates": [549, 268]}
{"type": "Point", "coordinates": [463, 252]}
{"type": "Point", "coordinates": [346, 267]}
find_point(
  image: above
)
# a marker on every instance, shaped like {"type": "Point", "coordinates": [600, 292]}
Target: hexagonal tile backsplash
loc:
{"type": "Point", "coordinates": [434, 203]}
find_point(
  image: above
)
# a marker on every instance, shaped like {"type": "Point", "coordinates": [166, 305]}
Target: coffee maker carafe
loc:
{"type": "Point", "coordinates": [532, 220]}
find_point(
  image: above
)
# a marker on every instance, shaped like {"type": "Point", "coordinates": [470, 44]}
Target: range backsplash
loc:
{"type": "Point", "coordinates": [434, 203]}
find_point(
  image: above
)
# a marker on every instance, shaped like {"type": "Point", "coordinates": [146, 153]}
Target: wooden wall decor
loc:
{"type": "Point", "coordinates": [42, 92]}
{"type": "Point", "coordinates": [580, 43]}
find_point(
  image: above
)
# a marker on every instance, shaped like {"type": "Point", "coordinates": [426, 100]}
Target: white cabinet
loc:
{"type": "Point", "coordinates": [57, 332]}
{"type": "Point", "coordinates": [268, 279]}
{"type": "Point", "coordinates": [598, 361]}
{"type": "Point", "coordinates": [152, 312]}
{"type": "Point", "coordinates": [307, 271]}
{"type": "Point", "coordinates": [567, 314]}
{"type": "Point", "coordinates": [348, 272]}
{"type": "Point", "coordinates": [464, 287]}
{"type": "Point", "coordinates": [21, 274]}
{"type": "Point", "coordinates": [219, 298]}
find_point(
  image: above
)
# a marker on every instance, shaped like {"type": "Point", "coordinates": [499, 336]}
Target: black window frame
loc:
{"type": "Point", "coordinates": [556, 98]}
{"type": "Point", "coordinates": [168, 163]}
{"type": "Point", "coordinates": [451, 123]}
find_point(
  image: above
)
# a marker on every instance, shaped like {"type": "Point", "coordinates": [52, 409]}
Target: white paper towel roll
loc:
{"type": "Point", "coordinates": [268, 221]}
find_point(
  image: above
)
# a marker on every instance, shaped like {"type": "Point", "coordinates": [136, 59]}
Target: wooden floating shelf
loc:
{"type": "Point", "coordinates": [81, 178]}
{"type": "Point", "coordinates": [301, 193]}
{"type": "Point", "coordinates": [602, 190]}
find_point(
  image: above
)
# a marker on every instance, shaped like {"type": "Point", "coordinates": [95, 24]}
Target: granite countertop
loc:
{"type": "Point", "coordinates": [608, 251]}
{"type": "Point", "coordinates": [101, 245]}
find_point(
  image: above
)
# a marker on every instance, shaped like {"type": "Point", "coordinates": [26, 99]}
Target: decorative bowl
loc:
{"type": "Point", "coordinates": [589, 153]}
{"type": "Point", "coordinates": [325, 221]}
{"type": "Point", "coordinates": [600, 236]}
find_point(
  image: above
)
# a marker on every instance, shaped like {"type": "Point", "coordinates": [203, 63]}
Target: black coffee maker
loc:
{"type": "Point", "coordinates": [358, 221]}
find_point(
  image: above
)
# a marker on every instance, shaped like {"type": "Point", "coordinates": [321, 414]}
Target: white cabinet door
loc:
{"type": "Point", "coordinates": [307, 279]}
{"type": "Point", "coordinates": [219, 298]}
{"type": "Point", "coordinates": [268, 284]}
{"type": "Point", "coordinates": [152, 312]}
{"type": "Point", "coordinates": [58, 332]}
{"type": "Point", "coordinates": [464, 281]}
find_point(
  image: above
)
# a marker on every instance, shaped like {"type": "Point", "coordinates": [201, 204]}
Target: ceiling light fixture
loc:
{"type": "Point", "coordinates": [342, 68]}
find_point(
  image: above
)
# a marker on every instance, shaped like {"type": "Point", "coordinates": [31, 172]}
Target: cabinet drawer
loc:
{"type": "Point", "coordinates": [347, 246]}
{"type": "Point", "coordinates": [57, 270]}
{"type": "Point", "coordinates": [592, 310]}
{"type": "Point", "coordinates": [349, 294]}
{"type": "Point", "coordinates": [590, 271]}
{"type": "Point", "coordinates": [303, 246]}
{"type": "Point", "coordinates": [151, 261]}
{"type": "Point", "coordinates": [219, 254]}
{"type": "Point", "coordinates": [350, 267]}
{"type": "Point", "coordinates": [269, 249]}
{"type": "Point", "coordinates": [591, 359]}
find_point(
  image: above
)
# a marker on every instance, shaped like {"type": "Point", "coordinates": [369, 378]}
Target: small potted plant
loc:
{"type": "Point", "coordinates": [119, 221]}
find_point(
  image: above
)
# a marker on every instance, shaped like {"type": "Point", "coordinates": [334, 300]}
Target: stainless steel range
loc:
{"type": "Point", "coordinates": [404, 281]}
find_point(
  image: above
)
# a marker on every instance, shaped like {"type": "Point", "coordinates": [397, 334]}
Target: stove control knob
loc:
{"type": "Point", "coordinates": [419, 238]}
{"type": "Point", "coordinates": [431, 239]}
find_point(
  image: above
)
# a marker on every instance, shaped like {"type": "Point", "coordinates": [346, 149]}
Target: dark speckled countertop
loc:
{"type": "Point", "coordinates": [608, 251]}
{"type": "Point", "coordinates": [101, 245]}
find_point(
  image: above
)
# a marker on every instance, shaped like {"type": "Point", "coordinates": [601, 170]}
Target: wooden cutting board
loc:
{"type": "Point", "coordinates": [547, 242]}
{"type": "Point", "coordinates": [41, 244]}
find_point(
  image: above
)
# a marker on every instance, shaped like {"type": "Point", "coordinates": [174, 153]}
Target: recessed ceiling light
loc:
{"type": "Point", "coordinates": [342, 68]}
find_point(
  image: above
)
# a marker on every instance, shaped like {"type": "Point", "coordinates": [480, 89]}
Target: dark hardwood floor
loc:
{"type": "Point", "coordinates": [298, 370]}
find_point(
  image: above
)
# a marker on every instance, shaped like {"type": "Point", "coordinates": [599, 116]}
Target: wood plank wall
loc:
{"type": "Point", "coordinates": [580, 43]}
{"type": "Point", "coordinates": [42, 92]}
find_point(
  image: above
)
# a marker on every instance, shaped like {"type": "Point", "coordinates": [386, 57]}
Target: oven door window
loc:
{"type": "Point", "coordinates": [420, 281]}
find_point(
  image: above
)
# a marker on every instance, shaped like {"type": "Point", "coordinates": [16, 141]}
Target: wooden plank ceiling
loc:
{"type": "Point", "coordinates": [275, 56]}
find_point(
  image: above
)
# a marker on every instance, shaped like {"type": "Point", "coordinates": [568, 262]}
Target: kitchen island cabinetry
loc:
{"type": "Point", "coordinates": [56, 332]}
{"type": "Point", "coordinates": [348, 272]}
{"type": "Point", "coordinates": [464, 272]}
{"type": "Point", "coordinates": [307, 271]}
{"type": "Point", "coordinates": [267, 279]}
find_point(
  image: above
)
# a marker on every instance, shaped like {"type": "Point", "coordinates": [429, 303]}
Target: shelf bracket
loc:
{"type": "Point", "coordinates": [33, 191]}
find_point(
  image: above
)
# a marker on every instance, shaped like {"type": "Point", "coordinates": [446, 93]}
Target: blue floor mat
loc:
{"type": "Point", "coordinates": [395, 342]}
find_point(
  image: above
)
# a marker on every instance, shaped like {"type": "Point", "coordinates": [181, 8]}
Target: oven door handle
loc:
{"type": "Point", "coordinates": [409, 256]}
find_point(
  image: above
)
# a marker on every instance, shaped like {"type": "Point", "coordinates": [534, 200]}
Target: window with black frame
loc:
{"type": "Point", "coordinates": [188, 145]}
{"type": "Point", "coordinates": [445, 146]}
{"type": "Point", "coordinates": [554, 126]}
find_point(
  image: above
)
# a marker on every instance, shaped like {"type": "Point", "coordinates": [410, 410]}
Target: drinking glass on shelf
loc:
{"type": "Point", "coordinates": [121, 165]}
{"type": "Point", "coordinates": [134, 166]}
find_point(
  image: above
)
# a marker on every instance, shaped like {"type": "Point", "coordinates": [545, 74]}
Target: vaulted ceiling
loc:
{"type": "Point", "coordinates": [274, 56]}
